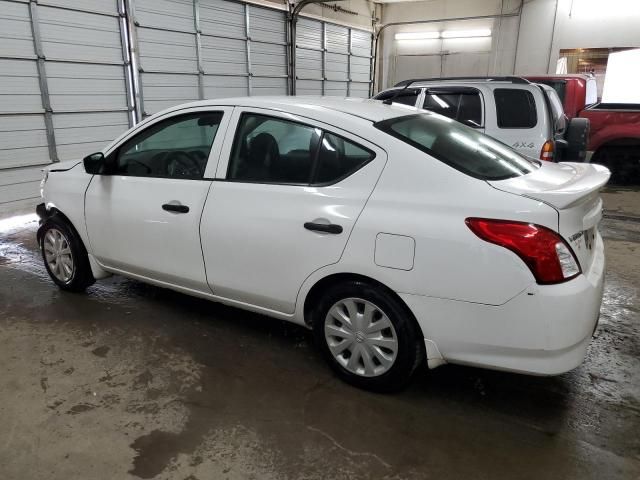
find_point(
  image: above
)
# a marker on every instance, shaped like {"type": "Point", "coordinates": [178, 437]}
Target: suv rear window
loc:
{"type": "Point", "coordinates": [460, 147]}
{"type": "Point", "coordinates": [516, 108]}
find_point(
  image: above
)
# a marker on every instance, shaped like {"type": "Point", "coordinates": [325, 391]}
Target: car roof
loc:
{"type": "Point", "coordinates": [313, 106]}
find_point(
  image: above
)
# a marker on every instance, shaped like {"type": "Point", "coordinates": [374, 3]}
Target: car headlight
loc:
{"type": "Point", "coordinates": [45, 177]}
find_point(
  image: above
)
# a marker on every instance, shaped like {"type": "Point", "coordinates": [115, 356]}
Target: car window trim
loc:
{"type": "Point", "coordinates": [118, 149]}
{"type": "Point", "coordinates": [314, 162]}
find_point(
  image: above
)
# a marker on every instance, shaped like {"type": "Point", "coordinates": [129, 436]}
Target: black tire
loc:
{"type": "Point", "coordinates": [578, 140]}
{"type": "Point", "coordinates": [623, 161]}
{"type": "Point", "coordinates": [410, 344]}
{"type": "Point", "coordinates": [81, 276]}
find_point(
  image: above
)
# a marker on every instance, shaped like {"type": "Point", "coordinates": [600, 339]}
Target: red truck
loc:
{"type": "Point", "coordinates": [614, 138]}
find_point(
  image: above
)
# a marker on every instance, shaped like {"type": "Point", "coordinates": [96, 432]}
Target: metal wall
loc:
{"type": "Point", "coordinates": [74, 75]}
{"type": "Point", "coordinates": [332, 59]}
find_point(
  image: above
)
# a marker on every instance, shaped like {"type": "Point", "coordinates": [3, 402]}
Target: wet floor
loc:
{"type": "Point", "coordinates": [134, 381]}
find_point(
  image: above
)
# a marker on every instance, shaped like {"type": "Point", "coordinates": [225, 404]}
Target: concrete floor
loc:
{"type": "Point", "coordinates": [133, 381]}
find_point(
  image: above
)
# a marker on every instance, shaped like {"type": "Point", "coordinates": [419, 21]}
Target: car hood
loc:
{"type": "Point", "coordinates": [61, 166]}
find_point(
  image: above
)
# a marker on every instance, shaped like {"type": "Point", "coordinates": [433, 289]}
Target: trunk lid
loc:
{"type": "Point", "coordinates": [572, 189]}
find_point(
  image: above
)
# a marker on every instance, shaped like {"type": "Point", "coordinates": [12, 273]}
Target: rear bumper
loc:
{"type": "Point", "coordinates": [545, 330]}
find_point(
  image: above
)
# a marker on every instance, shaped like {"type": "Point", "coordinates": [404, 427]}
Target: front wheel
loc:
{"type": "Point", "coordinates": [367, 336]}
{"type": "Point", "coordinates": [64, 255]}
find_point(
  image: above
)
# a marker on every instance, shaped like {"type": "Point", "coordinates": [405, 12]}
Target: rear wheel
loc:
{"type": "Point", "coordinates": [64, 255]}
{"type": "Point", "coordinates": [367, 336]}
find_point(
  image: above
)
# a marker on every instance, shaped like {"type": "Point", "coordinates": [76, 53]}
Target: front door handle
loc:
{"type": "Point", "coordinates": [177, 208]}
{"type": "Point", "coordinates": [324, 227]}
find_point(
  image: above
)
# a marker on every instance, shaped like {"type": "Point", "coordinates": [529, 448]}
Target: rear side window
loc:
{"type": "Point", "coordinates": [460, 147]}
{"type": "Point", "coordinates": [515, 108]}
{"type": "Point", "coordinates": [405, 97]}
{"type": "Point", "coordinates": [465, 107]}
{"type": "Point", "coordinates": [278, 151]}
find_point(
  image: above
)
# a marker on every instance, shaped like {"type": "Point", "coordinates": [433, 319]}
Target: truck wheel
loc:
{"type": "Point", "coordinates": [367, 336]}
{"type": "Point", "coordinates": [578, 139]}
{"type": "Point", "coordinates": [623, 161]}
{"type": "Point", "coordinates": [64, 255]}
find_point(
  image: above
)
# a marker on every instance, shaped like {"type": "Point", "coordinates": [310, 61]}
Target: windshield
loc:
{"type": "Point", "coordinates": [458, 146]}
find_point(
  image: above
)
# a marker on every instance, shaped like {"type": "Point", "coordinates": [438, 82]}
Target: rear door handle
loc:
{"type": "Point", "coordinates": [177, 208]}
{"type": "Point", "coordinates": [324, 227]}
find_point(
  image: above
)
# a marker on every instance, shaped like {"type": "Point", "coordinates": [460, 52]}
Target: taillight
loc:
{"type": "Point", "coordinates": [546, 254]}
{"type": "Point", "coordinates": [547, 151]}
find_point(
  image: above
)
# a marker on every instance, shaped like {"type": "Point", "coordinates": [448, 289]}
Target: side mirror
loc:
{"type": "Point", "coordinates": [93, 163]}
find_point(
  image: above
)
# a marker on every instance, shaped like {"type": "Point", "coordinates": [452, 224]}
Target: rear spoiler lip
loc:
{"type": "Point", "coordinates": [589, 179]}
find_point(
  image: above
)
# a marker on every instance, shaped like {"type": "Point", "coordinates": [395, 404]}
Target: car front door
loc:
{"type": "Point", "coordinates": [287, 195]}
{"type": "Point", "coordinates": [143, 215]}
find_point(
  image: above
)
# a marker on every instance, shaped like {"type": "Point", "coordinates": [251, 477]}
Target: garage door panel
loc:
{"type": "Point", "coordinates": [79, 134]}
{"type": "Point", "coordinates": [460, 64]}
{"type": "Point", "coordinates": [222, 19]}
{"type": "Point", "coordinates": [19, 87]}
{"type": "Point", "coordinates": [337, 66]}
{"type": "Point", "coordinates": [225, 86]}
{"type": "Point", "coordinates": [167, 52]}
{"type": "Point", "coordinates": [165, 90]}
{"type": "Point", "coordinates": [268, 59]}
{"type": "Point", "coordinates": [19, 191]}
{"type": "Point", "coordinates": [224, 55]}
{"type": "Point", "coordinates": [108, 7]}
{"type": "Point", "coordinates": [79, 36]}
{"type": "Point", "coordinates": [361, 43]}
{"type": "Point", "coordinates": [166, 14]}
{"type": "Point", "coordinates": [309, 87]}
{"type": "Point", "coordinates": [267, 26]}
{"type": "Point", "coordinates": [269, 86]}
{"type": "Point", "coordinates": [309, 34]}
{"type": "Point", "coordinates": [337, 38]}
{"type": "Point", "coordinates": [86, 87]}
{"type": "Point", "coordinates": [15, 34]}
{"type": "Point", "coordinates": [359, 90]}
{"type": "Point", "coordinates": [21, 175]}
{"type": "Point", "coordinates": [23, 141]}
{"type": "Point", "coordinates": [308, 63]}
{"type": "Point", "coordinates": [335, 88]}
{"type": "Point", "coordinates": [360, 69]}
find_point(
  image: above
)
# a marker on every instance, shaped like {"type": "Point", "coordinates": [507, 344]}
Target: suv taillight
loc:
{"type": "Point", "coordinates": [547, 151]}
{"type": "Point", "coordinates": [546, 254]}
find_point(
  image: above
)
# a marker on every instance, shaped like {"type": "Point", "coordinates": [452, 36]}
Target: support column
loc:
{"type": "Point", "coordinates": [126, 58]}
{"type": "Point", "coordinates": [248, 44]}
{"type": "Point", "coordinates": [196, 18]}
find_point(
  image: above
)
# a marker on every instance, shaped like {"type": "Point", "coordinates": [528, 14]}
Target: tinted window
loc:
{"type": "Point", "coordinates": [515, 108]}
{"type": "Point", "coordinates": [461, 147]}
{"type": "Point", "coordinates": [177, 147]}
{"type": "Point", "coordinates": [406, 97]}
{"type": "Point", "coordinates": [560, 86]}
{"type": "Point", "coordinates": [339, 158]}
{"type": "Point", "coordinates": [465, 107]}
{"type": "Point", "coordinates": [273, 150]}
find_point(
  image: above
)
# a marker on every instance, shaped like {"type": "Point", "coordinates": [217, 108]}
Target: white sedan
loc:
{"type": "Point", "coordinates": [399, 236]}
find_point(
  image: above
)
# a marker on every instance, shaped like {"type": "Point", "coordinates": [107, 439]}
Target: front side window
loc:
{"type": "Point", "coordinates": [460, 147]}
{"type": "Point", "coordinates": [515, 108]}
{"type": "Point", "coordinates": [174, 148]}
{"type": "Point", "coordinates": [274, 150]}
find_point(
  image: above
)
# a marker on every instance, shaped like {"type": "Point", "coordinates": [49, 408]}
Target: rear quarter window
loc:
{"type": "Point", "coordinates": [515, 108]}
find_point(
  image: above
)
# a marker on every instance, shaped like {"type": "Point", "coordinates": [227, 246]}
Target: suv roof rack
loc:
{"type": "Point", "coordinates": [511, 79]}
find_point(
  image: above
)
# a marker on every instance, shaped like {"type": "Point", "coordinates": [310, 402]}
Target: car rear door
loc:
{"type": "Point", "coordinates": [143, 219]}
{"type": "Point", "coordinates": [287, 194]}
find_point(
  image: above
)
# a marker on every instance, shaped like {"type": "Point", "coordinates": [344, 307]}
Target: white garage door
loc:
{"type": "Point", "coordinates": [332, 59]}
{"type": "Point", "coordinates": [208, 49]}
{"type": "Point", "coordinates": [62, 88]}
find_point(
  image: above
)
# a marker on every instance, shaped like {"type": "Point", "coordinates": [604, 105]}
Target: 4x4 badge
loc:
{"type": "Point", "coordinates": [523, 145]}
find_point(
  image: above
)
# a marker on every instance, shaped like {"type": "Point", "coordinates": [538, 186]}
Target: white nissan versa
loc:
{"type": "Point", "coordinates": [397, 234]}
